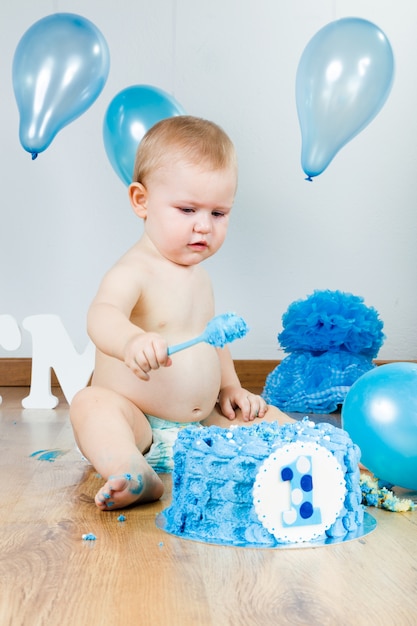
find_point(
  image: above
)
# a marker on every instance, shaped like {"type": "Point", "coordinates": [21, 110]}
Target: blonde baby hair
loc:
{"type": "Point", "coordinates": [184, 137]}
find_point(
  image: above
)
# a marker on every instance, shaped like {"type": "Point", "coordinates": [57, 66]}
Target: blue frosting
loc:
{"type": "Point", "coordinates": [215, 470]}
{"type": "Point", "coordinates": [225, 328]}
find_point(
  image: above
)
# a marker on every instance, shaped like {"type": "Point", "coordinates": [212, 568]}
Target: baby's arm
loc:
{"type": "Point", "coordinates": [233, 396]}
{"type": "Point", "coordinates": [113, 333]}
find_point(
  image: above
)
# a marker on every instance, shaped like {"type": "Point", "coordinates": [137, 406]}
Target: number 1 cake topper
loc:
{"type": "Point", "coordinates": [308, 491]}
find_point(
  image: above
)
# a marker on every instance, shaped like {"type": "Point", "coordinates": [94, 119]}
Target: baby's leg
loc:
{"type": "Point", "coordinates": [112, 433]}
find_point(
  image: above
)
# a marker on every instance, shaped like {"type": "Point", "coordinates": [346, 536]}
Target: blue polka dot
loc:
{"type": "Point", "coordinates": [306, 510]}
{"type": "Point", "coordinates": [306, 482]}
{"type": "Point", "coordinates": [287, 473]}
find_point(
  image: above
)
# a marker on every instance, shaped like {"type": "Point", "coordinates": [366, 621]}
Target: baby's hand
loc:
{"type": "Point", "coordinates": [250, 404]}
{"type": "Point", "coordinates": [146, 352]}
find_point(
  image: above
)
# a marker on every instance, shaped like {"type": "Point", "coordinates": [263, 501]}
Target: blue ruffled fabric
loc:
{"type": "Point", "coordinates": [332, 338]}
{"type": "Point", "coordinates": [305, 383]}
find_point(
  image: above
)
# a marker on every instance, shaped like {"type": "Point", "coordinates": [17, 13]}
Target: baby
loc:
{"type": "Point", "coordinates": [155, 296]}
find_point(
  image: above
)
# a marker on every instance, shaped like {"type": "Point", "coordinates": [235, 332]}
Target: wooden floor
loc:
{"type": "Point", "coordinates": [135, 574]}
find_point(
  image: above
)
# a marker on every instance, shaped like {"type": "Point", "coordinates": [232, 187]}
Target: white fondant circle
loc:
{"type": "Point", "coordinates": [273, 497]}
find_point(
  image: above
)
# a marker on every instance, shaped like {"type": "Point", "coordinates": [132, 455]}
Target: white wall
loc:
{"type": "Point", "coordinates": [65, 217]}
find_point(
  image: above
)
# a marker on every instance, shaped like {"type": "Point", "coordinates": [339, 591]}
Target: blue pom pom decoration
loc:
{"type": "Point", "coordinates": [331, 337]}
{"type": "Point", "coordinates": [331, 320]}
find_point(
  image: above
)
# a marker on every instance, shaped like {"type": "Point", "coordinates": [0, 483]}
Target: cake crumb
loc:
{"type": "Point", "coordinates": [89, 537]}
{"type": "Point", "coordinates": [375, 493]}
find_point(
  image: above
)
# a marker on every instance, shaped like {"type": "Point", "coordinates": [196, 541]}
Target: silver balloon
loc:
{"type": "Point", "coordinates": [344, 77]}
{"type": "Point", "coordinates": [60, 66]}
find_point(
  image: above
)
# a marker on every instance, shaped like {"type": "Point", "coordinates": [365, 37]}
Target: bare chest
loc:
{"type": "Point", "coordinates": [175, 304]}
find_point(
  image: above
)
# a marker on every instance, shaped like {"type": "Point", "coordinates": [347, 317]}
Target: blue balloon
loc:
{"type": "Point", "coordinates": [60, 66]}
{"type": "Point", "coordinates": [380, 414]}
{"type": "Point", "coordinates": [131, 113]}
{"type": "Point", "coordinates": [344, 77]}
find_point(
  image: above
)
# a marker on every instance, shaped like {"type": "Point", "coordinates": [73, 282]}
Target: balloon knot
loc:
{"type": "Point", "coordinates": [34, 155]}
{"type": "Point", "coordinates": [310, 180]}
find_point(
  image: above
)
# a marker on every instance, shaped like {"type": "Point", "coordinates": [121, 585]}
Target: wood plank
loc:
{"type": "Point", "coordinates": [252, 373]}
{"type": "Point", "coordinates": [134, 573]}
{"type": "Point", "coordinates": [16, 372]}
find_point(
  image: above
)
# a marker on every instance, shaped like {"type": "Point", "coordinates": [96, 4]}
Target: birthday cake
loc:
{"type": "Point", "coordinates": [265, 485]}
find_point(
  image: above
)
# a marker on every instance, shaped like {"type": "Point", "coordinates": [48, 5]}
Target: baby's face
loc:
{"type": "Point", "coordinates": [188, 209]}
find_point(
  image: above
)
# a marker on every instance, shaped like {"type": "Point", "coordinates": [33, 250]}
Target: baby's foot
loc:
{"type": "Point", "coordinates": [121, 491]}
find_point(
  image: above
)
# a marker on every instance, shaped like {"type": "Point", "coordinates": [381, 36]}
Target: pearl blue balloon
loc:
{"type": "Point", "coordinates": [344, 77]}
{"type": "Point", "coordinates": [131, 113]}
{"type": "Point", "coordinates": [60, 66]}
{"type": "Point", "coordinates": [380, 415]}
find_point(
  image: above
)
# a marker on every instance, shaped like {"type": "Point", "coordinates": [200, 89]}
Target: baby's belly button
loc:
{"type": "Point", "coordinates": [201, 410]}
{"type": "Point", "coordinates": [197, 412]}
